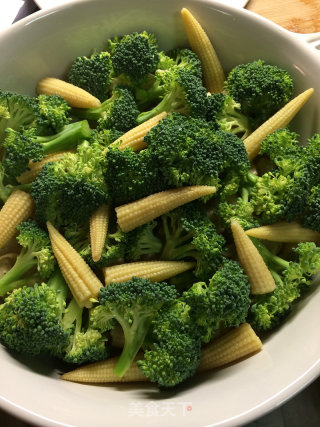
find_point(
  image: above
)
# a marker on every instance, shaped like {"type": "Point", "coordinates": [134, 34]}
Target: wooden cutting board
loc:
{"type": "Point", "coordinates": [300, 16]}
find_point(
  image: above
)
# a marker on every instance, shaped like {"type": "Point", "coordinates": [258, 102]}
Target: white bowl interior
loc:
{"type": "Point", "coordinates": [44, 45]}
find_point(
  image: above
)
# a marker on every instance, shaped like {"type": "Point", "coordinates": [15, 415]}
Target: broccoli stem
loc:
{"type": "Point", "coordinates": [57, 283]}
{"type": "Point", "coordinates": [67, 139]}
{"type": "Point", "coordinates": [11, 280]}
{"type": "Point", "coordinates": [73, 315]}
{"type": "Point", "coordinates": [175, 243]}
{"type": "Point", "coordinates": [134, 335]}
{"type": "Point", "coordinates": [93, 113]}
{"type": "Point", "coordinates": [170, 102]}
{"type": "Point", "coordinates": [271, 259]}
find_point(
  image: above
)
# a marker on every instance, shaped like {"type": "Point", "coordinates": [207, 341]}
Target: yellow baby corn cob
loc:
{"type": "Point", "coordinates": [213, 74]}
{"type": "Point", "coordinates": [74, 95]}
{"type": "Point", "coordinates": [260, 278]}
{"type": "Point", "coordinates": [81, 280]}
{"type": "Point", "coordinates": [99, 222]}
{"type": "Point", "coordinates": [102, 372]}
{"type": "Point", "coordinates": [286, 232]}
{"type": "Point", "coordinates": [279, 120]}
{"type": "Point", "coordinates": [232, 346]}
{"type": "Point", "coordinates": [134, 137]}
{"type": "Point", "coordinates": [16, 209]}
{"type": "Point", "coordinates": [36, 167]}
{"type": "Point", "coordinates": [155, 271]}
{"type": "Point", "coordinates": [141, 211]}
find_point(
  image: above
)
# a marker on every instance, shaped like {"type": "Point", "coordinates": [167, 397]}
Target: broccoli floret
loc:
{"type": "Point", "coordinates": [71, 189]}
{"type": "Point", "coordinates": [9, 184]}
{"type": "Point", "coordinates": [241, 210]}
{"type": "Point", "coordinates": [188, 233]}
{"type": "Point", "coordinates": [86, 344]}
{"type": "Point", "coordinates": [131, 176]}
{"type": "Point", "coordinates": [185, 59]}
{"type": "Point", "coordinates": [292, 279]}
{"type": "Point", "coordinates": [119, 112]}
{"type": "Point", "coordinates": [311, 215]}
{"type": "Point", "coordinates": [172, 347]}
{"type": "Point", "coordinates": [260, 88]}
{"type": "Point", "coordinates": [183, 93]}
{"type": "Point", "coordinates": [25, 146]}
{"type": "Point", "coordinates": [224, 302]}
{"type": "Point", "coordinates": [134, 55]}
{"type": "Point", "coordinates": [142, 242]}
{"type": "Point", "coordinates": [198, 155]}
{"type": "Point", "coordinates": [36, 253]}
{"type": "Point", "coordinates": [186, 150]}
{"type": "Point", "coordinates": [16, 112]}
{"type": "Point", "coordinates": [225, 113]}
{"type": "Point", "coordinates": [52, 114]}
{"type": "Point", "coordinates": [281, 144]}
{"type": "Point", "coordinates": [133, 304]}
{"type": "Point", "coordinates": [93, 74]}
{"type": "Point", "coordinates": [31, 318]}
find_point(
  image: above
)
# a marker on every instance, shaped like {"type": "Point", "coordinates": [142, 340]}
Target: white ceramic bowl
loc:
{"type": "Point", "coordinates": [45, 44]}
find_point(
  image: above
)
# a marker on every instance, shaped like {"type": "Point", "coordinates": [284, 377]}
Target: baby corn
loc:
{"type": "Point", "coordinates": [16, 209]}
{"type": "Point", "coordinates": [260, 278]}
{"type": "Point", "coordinates": [141, 211]}
{"type": "Point", "coordinates": [98, 231]}
{"type": "Point", "coordinates": [279, 120]}
{"type": "Point", "coordinates": [81, 280]}
{"type": "Point", "coordinates": [286, 232]}
{"type": "Point", "coordinates": [75, 96]}
{"type": "Point", "coordinates": [228, 348]}
{"type": "Point", "coordinates": [155, 271]}
{"type": "Point", "coordinates": [36, 167]}
{"type": "Point", "coordinates": [103, 372]}
{"type": "Point", "coordinates": [213, 74]}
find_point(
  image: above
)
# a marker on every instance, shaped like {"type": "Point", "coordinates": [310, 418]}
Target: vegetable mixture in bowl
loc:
{"type": "Point", "coordinates": [159, 216]}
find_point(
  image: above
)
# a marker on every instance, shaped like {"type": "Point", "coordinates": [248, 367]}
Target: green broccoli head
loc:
{"type": "Point", "coordinates": [188, 234]}
{"type": "Point", "coordinates": [195, 155]}
{"type": "Point", "coordinates": [311, 215]}
{"type": "Point", "coordinates": [31, 319]}
{"type": "Point", "coordinates": [260, 88]}
{"type": "Point", "coordinates": [93, 74]}
{"type": "Point", "coordinates": [53, 114]}
{"type": "Point", "coordinates": [16, 112]}
{"type": "Point", "coordinates": [87, 347]}
{"type": "Point", "coordinates": [27, 145]}
{"type": "Point", "coordinates": [292, 279]}
{"type": "Point", "coordinates": [224, 302]}
{"type": "Point", "coordinates": [130, 176]}
{"type": "Point", "coordinates": [86, 344]}
{"type": "Point", "coordinates": [184, 59]}
{"type": "Point", "coordinates": [172, 347]}
{"type": "Point", "coordinates": [281, 144]}
{"type": "Point", "coordinates": [183, 93]}
{"type": "Point", "coordinates": [135, 55]}
{"type": "Point", "coordinates": [133, 304]}
{"type": "Point", "coordinates": [118, 112]}
{"type": "Point", "coordinates": [36, 253]}
{"type": "Point", "coordinates": [72, 189]}
{"type": "Point", "coordinates": [225, 114]}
